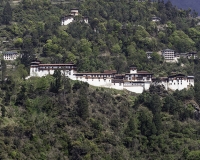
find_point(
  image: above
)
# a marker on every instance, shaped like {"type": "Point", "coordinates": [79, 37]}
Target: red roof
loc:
{"type": "Point", "coordinates": [93, 73]}
{"type": "Point", "coordinates": [110, 71]}
{"type": "Point", "coordinates": [140, 73]}
{"type": "Point", "coordinates": [56, 64]}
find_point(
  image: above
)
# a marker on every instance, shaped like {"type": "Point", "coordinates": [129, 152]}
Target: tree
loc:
{"type": "Point", "coordinates": [120, 64]}
{"type": "Point", "coordinates": [21, 96]}
{"type": "Point", "coordinates": [3, 111]}
{"type": "Point", "coordinates": [18, 42]}
{"type": "Point", "coordinates": [21, 71]}
{"type": "Point", "coordinates": [147, 127]}
{"type": "Point", "coordinates": [83, 111]}
{"type": "Point", "coordinates": [131, 129]}
{"type": "Point", "coordinates": [3, 69]}
{"type": "Point", "coordinates": [169, 104]}
{"type": "Point", "coordinates": [155, 104]}
{"type": "Point", "coordinates": [115, 49]}
{"type": "Point", "coordinates": [55, 86]}
{"type": "Point", "coordinates": [155, 57]}
{"type": "Point", "coordinates": [28, 51]}
{"type": "Point", "coordinates": [7, 14]}
{"type": "Point", "coordinates": [67, 85]}
{"type": "Point", "coordinates": [194, 155]}
{"type": "Point", "coordinates": [181, 41]}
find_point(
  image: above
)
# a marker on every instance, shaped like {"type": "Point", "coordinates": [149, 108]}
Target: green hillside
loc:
{"type": "Point", "coordinates": [118, 33]}
{"type": "Point", "coordinates": [55, 118]}
{"type": "Point", "coordinates": [82, 122]}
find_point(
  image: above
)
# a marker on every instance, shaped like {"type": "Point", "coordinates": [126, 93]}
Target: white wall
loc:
{"type": "Point", "coordinates": [85, 20]}
{"type": "Point", "coordinates": [67, 21]}
{"type": "Point", "coordinates": [135, 89]}
{"type": "Point", "coordinates": [10, 56]}
{"type": "Point", "coordinates": [177, 84]}
{"type": "Point", "coordinates": [147, 85]}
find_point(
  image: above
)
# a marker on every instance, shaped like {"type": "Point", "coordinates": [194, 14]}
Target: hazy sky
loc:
{"type": "Point", "coordinates": [185, 4]}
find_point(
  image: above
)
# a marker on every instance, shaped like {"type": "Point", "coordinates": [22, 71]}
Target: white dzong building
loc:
{"type": "Point", "coordinates": [134, 81]}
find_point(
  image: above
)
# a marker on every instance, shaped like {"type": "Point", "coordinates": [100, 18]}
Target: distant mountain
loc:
{"type": "Point", "coordinates": [185, 4]}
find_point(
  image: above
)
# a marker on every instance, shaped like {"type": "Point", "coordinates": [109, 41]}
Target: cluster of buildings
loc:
{"type": "Point", "coordinates": [170, 55]}
{"type": "Point", "coordinates": [72, 17]}
{"type": "Point", "coordinates": [134, 81]}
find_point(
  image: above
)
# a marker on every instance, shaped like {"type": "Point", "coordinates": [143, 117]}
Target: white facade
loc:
{"type": "Point", "coordinates": [71, 18]}
{"type": "Point", "coordinates": [192, 55]}
{"type": "Point", "coordinates": [169, 55]}
{"type": "Point", "coordinates": [155, 19]}
{"type": "Point", "coordinates": [67, 20]}
{"type": "Point", "coordinates": [175, 82]}
{"type": "Point", "coordinates": [39, 70]}
{"type": "Point", "coordinates": [10, 55]}
{"type": "Point", "coordinates": [134, 81]}
{"type": "Point", "coordinates": [74, 12]}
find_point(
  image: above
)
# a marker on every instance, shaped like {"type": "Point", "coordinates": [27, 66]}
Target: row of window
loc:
{"type": "Point", "coordinates": [8, 58]}
{"type": "Point", "coordinates": [133, 84]}
{"type": "Point", "coordinates": [37, 70]}
{"type": "Point", "coordinates": [98, 75]}
{"type": "Point", "coordinates": [55, 67]}
{"type": "Point", "coordinates": [168, 52]}
{"type": "Point", "coordinates": [180, 80]}
{"type": "Point", "coordinates": [169, 56]}
{"type": "Point", "coordinates": [175, 83]}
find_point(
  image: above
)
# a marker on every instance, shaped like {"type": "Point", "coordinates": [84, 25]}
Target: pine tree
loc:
{"type": "Point", "coordinates": [3, 111]}
{"type": "Point", "coordinates": [3, 69]}
{"type": "Point", "coordinates": [7, 14]}
{"type": "Point", "coordinates": [131, 128]}
{"type": "Point", "coordinates": [83, 110]}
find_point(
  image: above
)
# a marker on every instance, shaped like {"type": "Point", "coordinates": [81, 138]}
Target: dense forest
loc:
{"type": "Point", "coordinates": [55, 118]}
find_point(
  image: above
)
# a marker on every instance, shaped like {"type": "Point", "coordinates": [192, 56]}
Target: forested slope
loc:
{"type": "Point", "coordinates": [54, 118]}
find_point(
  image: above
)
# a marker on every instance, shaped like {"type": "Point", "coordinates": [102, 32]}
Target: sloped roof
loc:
{"type": "Point", "coordinates": [167, 50]}
{"type": "Point", "coordinates": [10, 52]}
